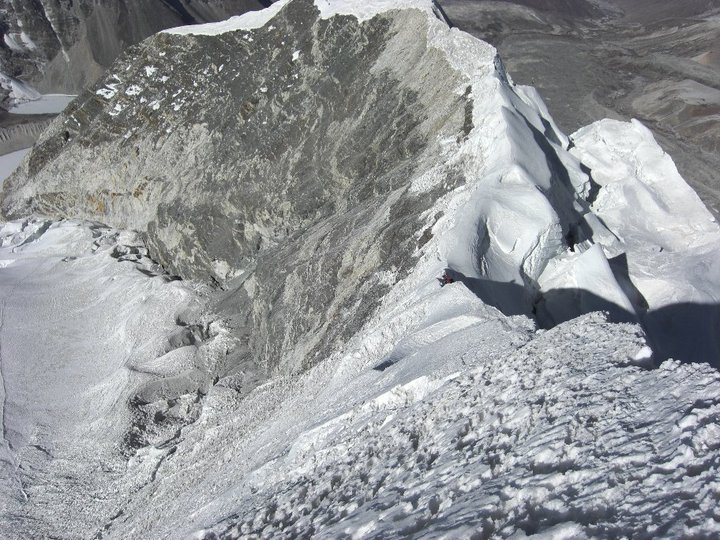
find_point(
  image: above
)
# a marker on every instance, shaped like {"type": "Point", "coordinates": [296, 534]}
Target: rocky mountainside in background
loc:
{"type": "Point", "coordinates": [656, 61]}
{"type": "Point", "coordinates": [61, 46]}
{"type": "Point", "coordinates": [246, 162]}
{"type": "Point", "coordinates": [313, 172]}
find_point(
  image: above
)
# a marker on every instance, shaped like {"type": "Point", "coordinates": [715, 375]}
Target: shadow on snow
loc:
{"type": "Point", "coordinates": [689, 332]}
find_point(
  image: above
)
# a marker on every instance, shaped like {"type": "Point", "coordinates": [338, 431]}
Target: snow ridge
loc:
{"type": "Point", "coordinates": [438, 410]}
{"type": "Point", "coordinates": [563, 436]}
{"type": "Point", "coordinates": [328, 8]}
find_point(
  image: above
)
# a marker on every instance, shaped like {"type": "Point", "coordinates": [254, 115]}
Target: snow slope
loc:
{"type": "Point", "coordinates": [445, 419]}
{"type": "Point", "coordinates": [401, 408]}
{"type": "Point", "coordinates": [562, 437]}
{"type": "Point", "coordinates": [79, 323]}
{"type": "Point", "coordinates": [328, 8]}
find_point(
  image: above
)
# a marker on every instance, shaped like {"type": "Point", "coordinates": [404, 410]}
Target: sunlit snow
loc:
{"type": "Point", "coordinates": [560, 386]}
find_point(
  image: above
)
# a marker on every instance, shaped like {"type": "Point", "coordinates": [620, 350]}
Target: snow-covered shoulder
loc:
{"type": "Point", "coordinates": [328, 8]}
{"type": "Point", "coordinates": [246, 21]}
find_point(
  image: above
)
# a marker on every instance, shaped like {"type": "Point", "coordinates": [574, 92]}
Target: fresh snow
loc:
{"type": "Point", "coordinates": [443, 416]}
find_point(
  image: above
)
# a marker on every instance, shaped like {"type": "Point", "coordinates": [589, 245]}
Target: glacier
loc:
{"type": "Point", "coordinates": [308, 376]}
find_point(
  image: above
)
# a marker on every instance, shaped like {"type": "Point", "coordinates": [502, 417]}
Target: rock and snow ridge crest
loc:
{"type": "Point", "coordinates": [328, 8]}
{"type": "Point", "coordinates": [385, 405]}
{"type": "Point", "coordinates": [511, 205]}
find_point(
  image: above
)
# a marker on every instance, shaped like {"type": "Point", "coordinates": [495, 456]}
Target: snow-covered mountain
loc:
{"type": "Point", "coordinates": [311, 171]}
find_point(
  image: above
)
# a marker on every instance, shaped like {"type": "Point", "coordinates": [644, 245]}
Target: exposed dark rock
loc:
{"type": "Point", "coordinates": [246, 162]}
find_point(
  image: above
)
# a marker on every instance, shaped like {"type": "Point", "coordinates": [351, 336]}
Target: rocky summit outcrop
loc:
{"type": "Point", "coordinates": [316, 171]}
{"type": "Point", "coordinates": [61, 46]}
{"type": "Point", "coordinates": [310, 157]}
{"type": "Point", "coordinates": [284, 152]}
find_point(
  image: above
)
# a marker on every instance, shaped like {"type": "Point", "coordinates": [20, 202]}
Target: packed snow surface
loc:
{"type": "Point", "coordinates": [449, 413]}
{"type": "Point", "coordinates": [558, 434]}
{"type": "Point", "coordinates": [445, 416]}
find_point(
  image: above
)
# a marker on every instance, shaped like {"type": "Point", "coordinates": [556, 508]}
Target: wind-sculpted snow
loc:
{"type": "Point", "coordinates": [563, 437]}
{"type": "Point", "coordinates": [312, 171]}
{"type": "Point", "coordinates": [665, 247]}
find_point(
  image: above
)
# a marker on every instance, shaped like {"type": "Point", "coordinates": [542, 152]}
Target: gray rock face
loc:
{"type": "Point", "coordinates": [61, 45]}
{"type": "Point", "coordinates": [245, 160]}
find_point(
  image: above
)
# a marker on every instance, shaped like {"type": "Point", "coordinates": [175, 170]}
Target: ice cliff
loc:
{"type": "Point", "coordinates": [310, 171]}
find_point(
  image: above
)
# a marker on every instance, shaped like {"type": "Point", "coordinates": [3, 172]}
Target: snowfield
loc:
{"type": "Point", "coordinates": [565, 385]}
{"type": "Point", "coordinates": [448, 419]}
{"type": "Point", "coordinates": [80, 315]}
